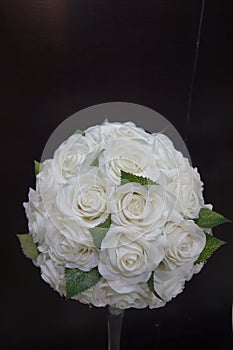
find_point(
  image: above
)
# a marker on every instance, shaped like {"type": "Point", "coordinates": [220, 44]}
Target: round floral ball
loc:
{"type": "Point", "coordinates": [113, 218]}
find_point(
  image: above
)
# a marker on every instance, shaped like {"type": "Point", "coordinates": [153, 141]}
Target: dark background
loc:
{"type": "Point", "coordinates": [60, 56]}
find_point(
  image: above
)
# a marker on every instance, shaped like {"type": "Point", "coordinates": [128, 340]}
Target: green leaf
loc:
{"type": "Point", "coordinates": [99, 232]}
{"type": "Point", "coordinates": [209, 218]}
{"type": "Point", "coordinates": [150, 283]}
{"type": "Point", "coordinates": [38, 167]}
{"type": "Point", "coordinates": [106, 223]}
{"type": "Point", "coordinates": [28, 246]}
{"type": "Point", "coordinates": [127, 177]}
{"type": "Point", "coordinates": [80, 132]}
{"type": "Point", "coordinates": [212, 244]}
{"type": "Point", "coordinates": [96, 160]}
{"type": "Point", "coordinates": [78, 281]}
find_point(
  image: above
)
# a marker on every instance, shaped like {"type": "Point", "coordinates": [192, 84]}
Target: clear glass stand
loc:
{"type": "Point", "coordinates": [114, 319]}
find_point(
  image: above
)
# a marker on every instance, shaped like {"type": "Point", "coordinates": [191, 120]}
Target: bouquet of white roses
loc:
{"type": "Point", "coordinates": [118, 218]}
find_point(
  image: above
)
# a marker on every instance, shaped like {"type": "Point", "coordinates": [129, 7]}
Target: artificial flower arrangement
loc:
{"type": "Point", "coordinates": [118, 218]}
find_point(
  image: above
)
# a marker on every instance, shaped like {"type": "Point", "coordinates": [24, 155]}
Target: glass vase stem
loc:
{"type": "Point", "coordinates": [114, 319]}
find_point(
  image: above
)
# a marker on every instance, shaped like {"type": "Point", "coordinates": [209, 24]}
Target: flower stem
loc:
{"type": "Point", "coordinates": [114, 318]}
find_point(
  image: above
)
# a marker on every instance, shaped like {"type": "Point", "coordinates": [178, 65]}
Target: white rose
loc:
{"type": "Point", "coordinates": [116, 130]}
{"type": "Point", "coordinates": [36, 216]}
{"type": "Point", "coordinates": [187, 187]}
{"type": "Point", "coordinates": [70, 245]}
{"type": "Point", "coordinates": [182, 180]}
{"type": "Point", "coordinates": [130, 156]}
{"type": "Point", "coordinates": [52, 273]}
{"type": "Point", "coordinates": [48, 183]}
{"type": "Point", "coordinates": [102, 294]}
{"type": "Point", "coordinates": [85, 199]}
{"type": "Point", "coordinates": [138, 298]}
{"type": "Point", "coordinates": [72, 153]}
{"type": "Point", "coordinates": [94, 134]}
{"type": "Point", "coordinates": [144, 207]}
{"type": "Point", "coordinates": [127, 258]}
{"type": "Point", "coordinates": [96, 295]}
{"type": "Point", "coordinates": [124, 131]}
{"type": "Point", "coordinates": [185, 243]}
{"type": "Point", "coordinates": [169, 283]}
{"type": "Point", "coordinates": [169, 159]}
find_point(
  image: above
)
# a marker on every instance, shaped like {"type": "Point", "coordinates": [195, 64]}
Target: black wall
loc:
{"type": "Point", "coordinates": [60, 56]}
